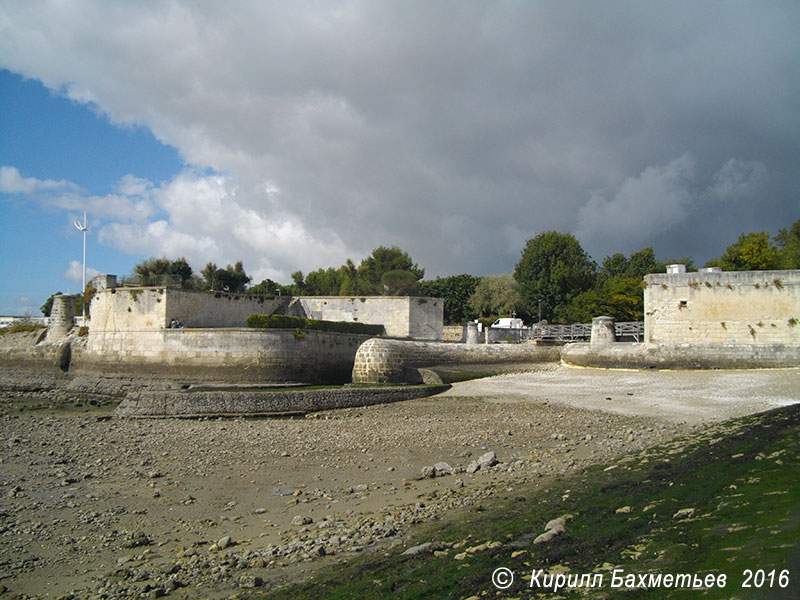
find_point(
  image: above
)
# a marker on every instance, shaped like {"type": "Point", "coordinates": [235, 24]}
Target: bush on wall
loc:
{"type": "Point", "coordinates": [289, 322]}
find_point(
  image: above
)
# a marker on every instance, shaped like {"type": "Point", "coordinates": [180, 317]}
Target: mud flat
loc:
{"type": "Point", "coordinates": [100, 507]}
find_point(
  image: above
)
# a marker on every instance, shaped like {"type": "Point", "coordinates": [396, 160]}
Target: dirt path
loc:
{"type": "Point", "coordinates": [102, 507]}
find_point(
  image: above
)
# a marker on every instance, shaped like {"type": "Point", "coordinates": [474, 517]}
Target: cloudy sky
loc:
{"type": "Point", "coordinates": [293, 135]}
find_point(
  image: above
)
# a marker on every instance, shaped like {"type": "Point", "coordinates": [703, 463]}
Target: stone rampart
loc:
{"type": "Point", "coordinates": [136, 309]}
{"type": "Point", "coordinates": [748, 307]}
{"type": "Point", "coordinates": [232, 354]}
{"type": "Point", "coordinates": [263, 402]}
{"type": "Point", "coordinates": [25, 347]}
{"type": "Point", "coordinates": [380, 360]}
{"type": "Point", "coordinates": [681, 356]}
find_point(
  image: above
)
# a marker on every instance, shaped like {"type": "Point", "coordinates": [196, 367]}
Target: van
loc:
{"type": "Point", "coordinates": [508, 323]}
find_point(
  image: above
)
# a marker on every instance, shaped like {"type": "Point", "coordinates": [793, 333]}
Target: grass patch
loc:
{"type": "Point", "coordinates": [735, 483]}
{"type": "Point", "coordinates": [21, 328]}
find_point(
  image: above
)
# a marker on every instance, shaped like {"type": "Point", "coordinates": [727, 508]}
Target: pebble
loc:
{"type": "Point", "coordinates": [104, 513]}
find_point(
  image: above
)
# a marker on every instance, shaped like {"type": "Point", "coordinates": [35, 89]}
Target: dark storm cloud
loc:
{"type": "Point", "coordinates": [454, 129]}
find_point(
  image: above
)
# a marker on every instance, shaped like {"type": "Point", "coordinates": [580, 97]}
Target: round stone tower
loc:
{"type": "Point", "coordinates": [603, 331]}
{"type": "Point", "coordinates": [62, 316]}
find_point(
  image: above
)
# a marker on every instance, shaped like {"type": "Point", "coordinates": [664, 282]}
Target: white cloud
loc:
{"type": "Point", "coordinates": [75, 272]}
{"type": "Point", "coordinates": [205, 222]}
{"type": "Point", "coordinates": [12, 182]}
{"type": "Point", "coordinates": [418, 123]}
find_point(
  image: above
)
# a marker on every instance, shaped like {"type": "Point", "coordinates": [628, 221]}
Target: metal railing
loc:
{"type": "Point", "coordinates": [574, 332]}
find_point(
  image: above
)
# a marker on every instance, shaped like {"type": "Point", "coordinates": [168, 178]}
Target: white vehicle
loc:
{"type": "Point", "coordinates": [507, 323]}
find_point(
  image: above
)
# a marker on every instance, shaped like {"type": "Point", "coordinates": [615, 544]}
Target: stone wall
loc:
{"type": "Point", "coordinates": [402, 316]}
{"type": "Point", "coordinates": [136, 309]}
{"type": "Point", "coordinates": [232, 354]}
{"type": "Point", "coordinates": [382, 360]}
{"type": "Point", "coordinates": [26, 347]}
{"type": "Point", "coordinates": [264, 402]}
{"type": "Point", "coordinates": [128, 309]}
{"type": "Point", "coordinates": [681, 356]}
{"type": "Point", "coordinates": [454, 333]}
{"type": "Point", "coordinates": [749, 307]}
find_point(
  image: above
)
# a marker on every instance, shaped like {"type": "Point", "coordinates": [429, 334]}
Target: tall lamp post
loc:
{"type": "Point", "coordinates": [84, 228]}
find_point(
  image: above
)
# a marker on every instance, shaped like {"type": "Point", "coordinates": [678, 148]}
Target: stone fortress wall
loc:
{"type": "Point", "coordinates": [709, 320]}
{"type": "Point", "coordinates": [414, 317]}
{"type": "Point", "coordinates": [692, 320]}
{"type": "Point", "coordinates": [129, 332]}
{"type": "Point", "coordinates": [228, 354]}
{"type": "Point", "coordinates": [153, 308]}
{"type": "Point", "coordinates": [746, 307]}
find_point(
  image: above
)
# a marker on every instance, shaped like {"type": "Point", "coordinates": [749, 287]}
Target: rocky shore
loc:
{"type": "Point", "coordinates": [98, 507]}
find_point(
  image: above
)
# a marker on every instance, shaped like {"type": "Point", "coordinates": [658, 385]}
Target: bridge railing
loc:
{"type": "Point", "coordinates": [574, 332]}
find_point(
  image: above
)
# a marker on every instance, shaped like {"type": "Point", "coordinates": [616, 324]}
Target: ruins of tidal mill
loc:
{"type": "Point", "coordinates": [215, 364]}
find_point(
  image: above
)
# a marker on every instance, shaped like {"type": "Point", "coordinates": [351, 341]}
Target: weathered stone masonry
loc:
{"type": "Point", "coordinates": [749, 307]}
{"type": "Point", "coordinates": [392, 361]}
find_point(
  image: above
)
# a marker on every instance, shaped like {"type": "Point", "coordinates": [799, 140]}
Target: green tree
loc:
{"type": "Point", "coordinates": [399, 283]}
{"type": "Point", "coordinates": [163, 271]}
{"type": "Point", "coordinates": [751, 252]}
{"type": "Point", "coordinates": [497, 296]}
{"type": "Point", "coordinates": [324, 282]}
{"type": "Point", "coordinates": [584, 307]}
{"type": "Point", "coordinates": [618, 297]}
{"type": "Point", "coordinates": [613, 265]}
{"type": "Point", "coordinates": [787, 242]}
{"type": "Point", "coordinates": [267, 287]}
{"type": "Point", "coordinates": [381, 261]}
{"type": "Point", "coordinates": [230, 279]}
{"type": "Point", "coordinates": [554, 268]}
{"type": "Point", "coordinates": [349, 285]}
{"type": "Point", "coordinates": [643, 263]}
{"type": "Point", "coordinates": [455, 291]}
{"type": "Point", "coordinates": [298, 283]}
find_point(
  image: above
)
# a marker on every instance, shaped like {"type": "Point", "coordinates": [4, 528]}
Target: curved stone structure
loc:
{"type": "Point", "coordinates": [230, 354]}
{"type": "Point", "coordinates": [681, 356]}
{"type": "Point", "coordinates": [62, 316]}
{"type": "Point", "coordinates": [381, 360]}
{"type": "Point", "coordinates": [603, 331]}
{"type": "Point", "coordinates": [264, 402]}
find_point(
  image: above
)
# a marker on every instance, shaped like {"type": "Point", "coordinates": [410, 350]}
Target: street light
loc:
{"type": "Point", "coordinates": [84, 228]}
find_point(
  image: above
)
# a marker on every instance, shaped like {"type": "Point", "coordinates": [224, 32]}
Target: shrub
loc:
{"type": "Point", "coordinates": [20, 328]}
{"type": "Point", "coordinates": [275, 322]}
{"type": "Point", "coordinates": [299, 323]}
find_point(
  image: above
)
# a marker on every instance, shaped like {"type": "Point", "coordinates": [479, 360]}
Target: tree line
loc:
{"type": "Point", "coordinates": [555, 279]}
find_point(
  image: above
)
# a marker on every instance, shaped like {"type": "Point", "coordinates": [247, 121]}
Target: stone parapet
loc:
{"type": "Point", "coordinates": [232, 354]}
{"type": "Point", "coordinates": [682, 356]}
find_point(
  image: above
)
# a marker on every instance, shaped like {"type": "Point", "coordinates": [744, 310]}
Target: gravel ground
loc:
{"type": "Point", "coordinates": [96, 507]}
